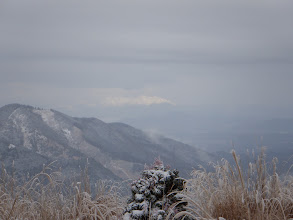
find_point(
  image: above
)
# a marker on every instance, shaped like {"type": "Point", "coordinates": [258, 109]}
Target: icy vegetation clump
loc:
{"type": "Point", "coordinates": [154, 193]}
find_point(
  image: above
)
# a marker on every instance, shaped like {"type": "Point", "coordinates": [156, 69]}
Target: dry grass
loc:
{"type": "Point", "coordinates": [231, 193]}
{"type": "Point", "coordinates": [46, 196]}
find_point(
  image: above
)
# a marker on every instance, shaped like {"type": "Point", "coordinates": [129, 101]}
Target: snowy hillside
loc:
{"type": "Point", "coordinates": [32, 137]}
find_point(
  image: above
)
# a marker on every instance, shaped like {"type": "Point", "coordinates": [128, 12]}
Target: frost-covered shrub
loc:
{"type": "Point", "coordinates": [152, 194]}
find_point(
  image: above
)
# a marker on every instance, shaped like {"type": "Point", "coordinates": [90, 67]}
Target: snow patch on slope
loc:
{"type": "Point", "coordinates": [67, 134]}
{"type": "Point", "coordinates": [48, 117]}
{"type": "Point", "coordinates": [20, 121]}
{"type": "Point", "coordinates": [11, 146]}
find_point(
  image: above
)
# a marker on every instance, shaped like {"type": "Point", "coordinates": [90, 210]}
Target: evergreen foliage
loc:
{"type": "Point", "coordinates": [154, 193]}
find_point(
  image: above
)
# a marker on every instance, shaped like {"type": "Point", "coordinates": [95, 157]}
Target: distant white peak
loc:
{"type": "Point", "coordinates": [140, 100]}
{"type": "Point", "coordinates": [11, 146]}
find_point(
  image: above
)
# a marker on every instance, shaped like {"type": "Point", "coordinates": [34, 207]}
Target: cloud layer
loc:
{"type": "Point", "coordinates": [139, 53]}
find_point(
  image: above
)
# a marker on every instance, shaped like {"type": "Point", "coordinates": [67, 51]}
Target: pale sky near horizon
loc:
{"type": "Point", "coordinates": [74, 55]}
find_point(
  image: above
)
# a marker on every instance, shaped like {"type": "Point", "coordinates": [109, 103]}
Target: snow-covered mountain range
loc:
{"type": "Point", "coordinates": [32, 137]}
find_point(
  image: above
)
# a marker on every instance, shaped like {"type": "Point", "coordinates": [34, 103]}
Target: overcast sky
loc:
{"type": "Point", "coordinates": [83, 56]}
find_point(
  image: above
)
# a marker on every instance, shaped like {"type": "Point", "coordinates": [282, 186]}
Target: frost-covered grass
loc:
{"type": "Point", "coordinates": [231, 192]}
{"type": "Point", "coordinates": [45, 196]}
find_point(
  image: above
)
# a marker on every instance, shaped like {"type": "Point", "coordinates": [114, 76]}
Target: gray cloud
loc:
{"type": "Point", "coordinates": [149, 31]}
{"type": "Point", "coordinates": [72, 53]}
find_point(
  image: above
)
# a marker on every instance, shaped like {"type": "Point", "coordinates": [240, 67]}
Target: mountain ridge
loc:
{"type": "Point", "coordinates": [114, 150]}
